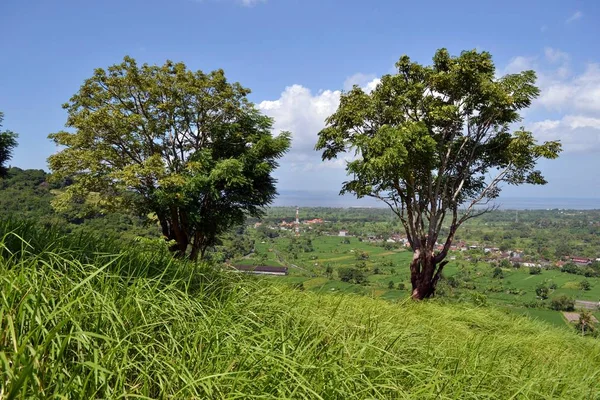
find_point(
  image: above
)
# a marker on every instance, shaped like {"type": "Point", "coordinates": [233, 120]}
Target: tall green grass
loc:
{"type": "Point", "coordinates": [80, 321]}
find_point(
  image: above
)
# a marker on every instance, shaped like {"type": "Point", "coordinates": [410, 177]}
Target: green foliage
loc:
{"type": "Point", "coordinates": [27, 194]}
{"type": "Point", "coordinates": [352, 275]}
{"type": "Point", "coordinates": [329, 272]}
{"type": "Point", "coordinates": [542, 291]}
{"type": "Point", "coordinates": [498, 274]}
{"type": "Point", "coordinates": [585, 285]}
{"type": "Point", "coordinates": [428, 136]}
{"type": "Point", "coordinates": [585, 324]}
{"type": "Point", "coordinates": [562, 303]}
{"type": "Point", "coordinates": [535, 270]}
{"type": "Point", "coordinates": [8, 141]}
{"type": "Point", "coordinates": [390, 285]}
{"type": "Point", "coordinates": [186, 146]}
{"type": "Point", "coordinates": [479, 299]}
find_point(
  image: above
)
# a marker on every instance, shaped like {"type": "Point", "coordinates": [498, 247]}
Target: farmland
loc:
{"type": "Point", "coordinates": [315, 259]}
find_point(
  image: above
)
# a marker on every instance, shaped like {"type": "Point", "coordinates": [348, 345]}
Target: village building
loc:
{"type": "Point", "coordinates": [261, 269]}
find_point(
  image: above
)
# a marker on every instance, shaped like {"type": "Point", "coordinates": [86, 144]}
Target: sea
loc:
{"type": "Point", "coordinates": [323, 198]}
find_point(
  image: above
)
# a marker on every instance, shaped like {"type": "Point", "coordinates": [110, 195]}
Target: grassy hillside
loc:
{"type": "Point", "coordinates": [83, 319]}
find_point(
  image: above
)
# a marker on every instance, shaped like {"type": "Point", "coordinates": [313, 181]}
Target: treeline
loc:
{"type": "Point", "coordinates": [27, 194]}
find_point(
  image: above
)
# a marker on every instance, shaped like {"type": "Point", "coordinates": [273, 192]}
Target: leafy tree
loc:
{"type": "Point", "coordinates": [585, 324]}
{"type": "Point", "coordinates": [535, 270]}
{"type": "Point", "coordinates": [542, 291]}
{"type": "Point", "coordinates": [562, 303]}
{"type": "Point", "coordinates": [426, 139]}
{"type": "Point", "coordinates": [571, 268]}
{"type": "Point", "coordinates": [184, 146]}
{"type": "Point", "coordinates": [352, 275]}
{"type": "Point", "coordinates": [498, 273]}
{"type": "Point", "coordinates": [585, 285]}
{"type": "Point", "coordinates": [8, 141]}
{"type": "Point", "coordinates": [505, 263]}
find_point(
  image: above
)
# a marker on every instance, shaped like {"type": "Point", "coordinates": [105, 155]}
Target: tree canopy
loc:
{"type": "Point", "coordinates": [8, 141]}
{"type": "Point", "coordinates": [184, 147]}
{"type": "Point", "coordinates": [429, 140]}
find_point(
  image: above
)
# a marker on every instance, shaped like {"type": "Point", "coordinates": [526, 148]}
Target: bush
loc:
{"type": "Point", "coordinates": [498, 273]}
{"type": "Point", "coordinates": [571, 268]}
{"type": "Point", "coordinates": [552, 286]}
{"type": "Point", "coordinates": [542, 291]}
{"type": "Point", "coordinates": [562, 303]}
{"type": "Point", "coordinates": [585, 285]}
{"type": "Point", "coordinates": [390, 284]}
{"type": "Point", "coordinates": [352, 275]}
{"type": "Point", "coordinates": [479, 299]}
{"type": "Point", "coordinates": [535, 270]}
{"type": "Point", "coordinates": [401, 286]}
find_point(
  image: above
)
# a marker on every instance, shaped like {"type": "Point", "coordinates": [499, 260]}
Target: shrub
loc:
{"type": "Point", "coordinates": [498, 273]}
{"type": "Point", "coordinates": [571, 268]}
{"type": "Point", "coordinates": [585, 285]}
{"type": "Point", "coordinates": [401, 286]}
{"type": "Point", "coordinates": [479, 299]}
{"type": "Point", "coordinates": [542, 291]}
{"type": "Point", "coordinates": [535, 270]}
{"type": "Point", "coordinates": [390, 284]}
{"type": "Point", "coordinates": [352, 275]}
{"type": "Point", "coordinates": [562, 303]}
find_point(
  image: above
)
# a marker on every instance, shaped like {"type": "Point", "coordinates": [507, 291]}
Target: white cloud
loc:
{"type": "Point", "coordinates": [576, 15]}
{"type": "Point", "coordinates": [574, 97]}
{"type": "Point", "coordinates": [580, 93]}
{"type": "Point", "coordinates": [358, 79]}
{"type": "Point", "coordinates": [556, 56]}
{"type": "Point", "coordinates": [303, 113]}
{"type": "Point", "coordinates": [577, 133]}
{"type": "Point", "coordinates": [518, 64]}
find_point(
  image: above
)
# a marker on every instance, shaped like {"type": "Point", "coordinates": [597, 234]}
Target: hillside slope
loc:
{"type": "Point", "coordinates": [80, 320]}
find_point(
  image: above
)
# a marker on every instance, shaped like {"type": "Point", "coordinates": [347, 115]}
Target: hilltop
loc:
{"type": "Point", "coordinates": [87, 318]}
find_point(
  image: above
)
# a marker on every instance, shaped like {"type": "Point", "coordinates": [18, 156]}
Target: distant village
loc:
{"type": "Point", "coordinates": [489, 254]}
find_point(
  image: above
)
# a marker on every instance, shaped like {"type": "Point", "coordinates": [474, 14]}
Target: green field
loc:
{"type": "Point", "coordinates": [515, 289]}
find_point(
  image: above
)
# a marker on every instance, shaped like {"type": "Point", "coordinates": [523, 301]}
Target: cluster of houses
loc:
{"type": "Point", "coordinates": [491, 254]}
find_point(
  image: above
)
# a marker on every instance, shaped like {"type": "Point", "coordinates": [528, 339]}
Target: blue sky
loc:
{"type": "Point", "coordinates": [296, 55]}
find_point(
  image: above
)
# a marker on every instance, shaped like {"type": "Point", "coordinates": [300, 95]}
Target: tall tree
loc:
{"type": "Point", "coordinates": [8, 141]}
{"type": "Point", "coordinates": [430, 140]}
{"type": "Point", "coordinates": [183, 146]}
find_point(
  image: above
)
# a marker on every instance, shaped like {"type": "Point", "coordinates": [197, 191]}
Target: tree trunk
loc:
{"type": "Point", "coordinates": [424, 274]}
{"type": "Point", "coordinates": [172, 230]}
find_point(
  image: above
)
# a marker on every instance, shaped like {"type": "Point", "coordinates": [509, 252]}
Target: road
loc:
{"type": "Point", "coordinates": [590, 305]}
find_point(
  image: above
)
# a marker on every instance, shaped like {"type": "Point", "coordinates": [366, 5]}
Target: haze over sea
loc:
{"type": "Point", "coordinates": [300, 198]}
